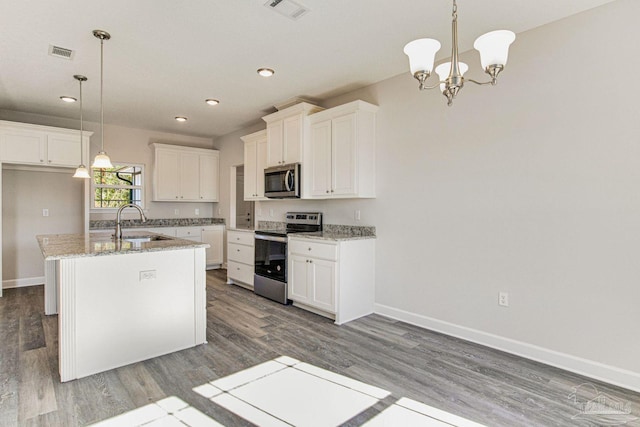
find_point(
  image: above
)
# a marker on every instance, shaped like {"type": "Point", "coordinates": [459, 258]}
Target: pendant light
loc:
{"type": "Point", "coordinates": [102, 160]}
{"type": "Point", "coordinates": [81, 171]}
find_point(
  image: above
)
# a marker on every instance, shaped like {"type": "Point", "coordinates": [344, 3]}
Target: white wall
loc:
{"type": "Point", "coordinates": [25, 193]}
{"type": "Point", "coordinates": [529, 187]}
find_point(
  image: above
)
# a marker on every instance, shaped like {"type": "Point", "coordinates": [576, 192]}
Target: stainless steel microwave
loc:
{"type": "Point", "coordinates": [282, 182]}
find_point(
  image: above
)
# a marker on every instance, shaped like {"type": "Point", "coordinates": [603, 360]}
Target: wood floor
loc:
{"type": "Point", "coordinates": [481, 384]}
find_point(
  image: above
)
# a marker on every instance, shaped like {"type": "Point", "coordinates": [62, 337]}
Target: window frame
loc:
{"type": "Point", "coordinates": [141, 187]}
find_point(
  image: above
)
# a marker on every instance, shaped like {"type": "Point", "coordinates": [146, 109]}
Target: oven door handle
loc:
{"type": "Point", "coordinates": [287, 177]}
{"type": "Point", "coordinates": [271, 238]}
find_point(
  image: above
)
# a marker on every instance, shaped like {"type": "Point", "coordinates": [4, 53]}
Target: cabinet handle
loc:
{"type": "Point", "coordinates": [182, 197]}
{"type": "Point", "coordinates": [332, 191]}
{"type": "Point", "coordinates": [41, 160]}
{"type": "Point", "coordinates": [238, 250]}
{"type": "Point", "coordinates": [176, 197]}
{"type": "Point", "coordinates": [327, 191]}
{"type": "Point", "coordinates": [309, 248]}
{"type": "Point", "coordinates": [310, 261]}
{"type": "Point", "coordinates": [49, 161]}
{"type": "Point", "coordinates": [201, 197]}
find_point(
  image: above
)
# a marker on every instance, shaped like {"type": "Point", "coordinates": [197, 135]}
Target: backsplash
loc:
{"type": "Point", "coordinates": [353, 230]}
{"type": "Point", "coordinates": [161, 222]}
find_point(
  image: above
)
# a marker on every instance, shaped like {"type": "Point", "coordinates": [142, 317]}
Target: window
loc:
{"type": "Point", "coordinates": [122, 184]}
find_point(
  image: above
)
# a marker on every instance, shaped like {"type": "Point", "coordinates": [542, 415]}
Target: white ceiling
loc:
{"type": "Point", "coordinates": [166, 57]}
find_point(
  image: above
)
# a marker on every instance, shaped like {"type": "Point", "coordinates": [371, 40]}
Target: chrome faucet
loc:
{"type": "Point", "coordinates": [118, 234]}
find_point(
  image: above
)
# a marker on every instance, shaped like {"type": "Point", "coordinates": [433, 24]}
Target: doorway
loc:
{"type": "Point", "coordinates": [244, 214]}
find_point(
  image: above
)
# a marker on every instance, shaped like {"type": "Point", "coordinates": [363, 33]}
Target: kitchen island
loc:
{"type": "Point", "coordinates": [123, 301]}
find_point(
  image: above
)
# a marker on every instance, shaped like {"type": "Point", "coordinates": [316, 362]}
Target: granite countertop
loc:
{"type": "Point", "coordinates": [247, 230]}
{"type": "Point", "coordinates": [335, 236]}
{"type": "Point", "coordinates": [59, 246]}
{"type": "Point", "coordinates": [155, 222]}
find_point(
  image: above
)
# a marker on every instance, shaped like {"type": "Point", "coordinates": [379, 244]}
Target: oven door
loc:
{"type": "Point", "coordinates": [271, 257]}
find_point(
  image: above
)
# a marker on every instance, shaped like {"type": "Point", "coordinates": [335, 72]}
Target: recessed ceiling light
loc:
{"type": "Point", "coordinates": [181, 118]}
{"type": "Point", "coordinates": [266, 72]}
{"type": "Point", "coordinates": [211, 101]}
{"type": "Point", "coordinates": [68, 98]}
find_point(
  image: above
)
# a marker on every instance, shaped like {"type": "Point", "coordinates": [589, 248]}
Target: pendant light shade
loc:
{"type": "Point", "coordinates": [494, 47]}
{"type": "Point", "coordinates": [444, 69]}
{"type": "Point", "coordinates": [81, 171]}
{"type": "Point", "coordinates": [102, 160]}
{"type": "Point", "coordinates": [421, 53]}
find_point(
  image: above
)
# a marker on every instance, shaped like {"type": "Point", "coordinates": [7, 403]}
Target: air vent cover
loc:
{"type": "Point", "coordinates": [61, 52]}
{"type": "Point", "coordinates": [288, 8]}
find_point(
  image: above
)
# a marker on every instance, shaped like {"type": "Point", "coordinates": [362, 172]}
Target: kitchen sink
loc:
{"type": "Point", "coordinates": [144, 239]}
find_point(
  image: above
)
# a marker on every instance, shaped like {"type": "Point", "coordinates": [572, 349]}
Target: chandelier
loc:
{"type": "Point", "coordinates": [493, 48]}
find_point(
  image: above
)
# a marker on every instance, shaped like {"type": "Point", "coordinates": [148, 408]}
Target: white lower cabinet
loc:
{"type": "Point", "coordinates": [335, 279]}
{"type": "Point", "coordinates": [211, 234]}
{"type": "Point", "coordinates": [240, 257]}
{"type": "Point", "coordinates": [214, 236]}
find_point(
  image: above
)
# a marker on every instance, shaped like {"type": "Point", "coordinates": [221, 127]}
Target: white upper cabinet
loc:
{"type": "Point", "coordinates": [339, 160]}
{"type": "Point", "coordinates": [255, 159]}
{"type": "Point", "coordinates": [27, 144]}
{"type": "Point", "coordinates": [287, 131]}
{"type": "Point", "coordinates": [185, 174]}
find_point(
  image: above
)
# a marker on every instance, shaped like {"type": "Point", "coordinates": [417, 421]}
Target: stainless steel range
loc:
{"type": "Point", "coordinates": [270, 278]}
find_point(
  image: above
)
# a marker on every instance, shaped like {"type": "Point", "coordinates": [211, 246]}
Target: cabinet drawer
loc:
{"type": "Point", "coordinates": [240, 253]}
{"type": "Point", "coordinates": [314, 249]}
{"type": "Point", "coordinates": [189, 233]}
{"type": "Point", "coordinates": [241, 272]}
{"type": "Point", "coordinates": [241, 238]}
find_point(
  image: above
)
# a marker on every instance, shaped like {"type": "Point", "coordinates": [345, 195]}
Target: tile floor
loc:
{"type": "Point", "coordinates": [287, 392]}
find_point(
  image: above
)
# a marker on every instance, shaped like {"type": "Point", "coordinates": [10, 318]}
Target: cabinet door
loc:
{"type": "Point", "coordinates": [261, 163]}
{"type": "Point", "coordinates": [292, 139]}
{"type": "Point", "coordinates": [274, 144]}
{"type": "Point", "coordinates": [250, 170]}
{"type": "Point", "coordinates": [298, 280]}
{"type": "Point", "coordinates": [322, 275]}
{"type": "Point", "coordinates": [23, 147]}
{"type": "Point", "coordinates": [214, 237]}
{"type": "Point", "coordinates": [343, 152]}
{"type": "Point", "coordinates": [320, 159]}
{"type": "Point", "coordinates": [189, 176]}
{"type": "Point", "coordinates": [63, 150]}
{"type": "Point", "coordinates": [209, 177]}
{"type": "Point", "coordinates": [167, 175]}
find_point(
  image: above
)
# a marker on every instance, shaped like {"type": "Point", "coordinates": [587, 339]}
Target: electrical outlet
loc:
{"type": "Point", "coordinates": [147, 275]}
{"type": "Point", "coordinates": [197, 212]}
{"type": "Point", "coordinates": [176, 211]}
{"type": "Point", "coordinates": [356, 215]}
{"type": "Point", "coordinates": [271, 212]}
{"type": "Point", "coordinates": [503, 299]}
{"type": "Point", "coordinates": [45, 212]}
{"type": "Point", "coordinates": [219, 211]}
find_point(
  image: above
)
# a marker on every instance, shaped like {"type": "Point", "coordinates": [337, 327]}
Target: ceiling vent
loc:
{"type": "Point", "coordinates": [288, 8]}
{"type": "Point", "coordinates": [60, 52]}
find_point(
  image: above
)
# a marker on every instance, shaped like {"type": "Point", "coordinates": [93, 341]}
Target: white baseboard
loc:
{"type": "Point", "coordinates": [589, 368]}
{"type": "Point", "coordinates": [21, 283]}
